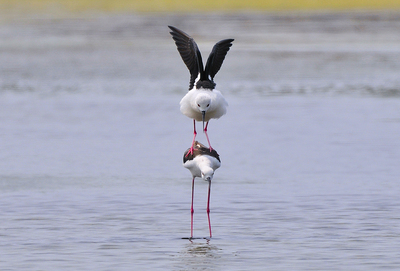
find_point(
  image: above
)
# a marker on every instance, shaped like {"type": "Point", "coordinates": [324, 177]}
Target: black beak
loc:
{"type": "Point", "coordinates": [203, 115]}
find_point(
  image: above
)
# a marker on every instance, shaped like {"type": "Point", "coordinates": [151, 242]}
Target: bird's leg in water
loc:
{"type": "Point", "coordinates": [192, 211]}
{"type": "Point", "coordinates": [208, 207]}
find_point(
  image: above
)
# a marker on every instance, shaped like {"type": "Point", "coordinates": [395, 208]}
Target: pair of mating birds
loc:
{"type": "Point", "coordinates": [202, 103]}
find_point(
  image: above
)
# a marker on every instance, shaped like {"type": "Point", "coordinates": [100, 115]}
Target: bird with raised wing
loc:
{"type": "Point", "coordinates": [203, 102]}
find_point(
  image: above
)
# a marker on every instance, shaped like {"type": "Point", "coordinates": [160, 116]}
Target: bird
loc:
{"type": "Point", "coordinates": [202, 163]}
{"type": "Point", "coordinates": [202, 102]}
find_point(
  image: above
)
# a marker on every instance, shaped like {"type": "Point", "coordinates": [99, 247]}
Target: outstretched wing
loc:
{"type": "Point", "coordinates": [217, 56]}
{"type": "Point", "coordinates": [189, 52]}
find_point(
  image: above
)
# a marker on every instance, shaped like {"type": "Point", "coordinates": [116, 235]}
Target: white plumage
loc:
{"type": "Point", "coordinates": [203, 102]}
{"type": "Point", "coordinates": [198, 100]}
{"type": "Point", "coordinates": [202, 163]}
{"type": "Point", "coordinates": [203, 166]}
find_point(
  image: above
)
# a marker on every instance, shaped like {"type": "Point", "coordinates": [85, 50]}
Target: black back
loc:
{"type": "Point", "coordinates": [200, 149]}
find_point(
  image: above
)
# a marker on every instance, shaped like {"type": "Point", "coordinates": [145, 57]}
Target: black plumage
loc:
{"type": "Point", "coordinates": [191, 56]}
{"type": "Point", "coordinates": [199, 149]}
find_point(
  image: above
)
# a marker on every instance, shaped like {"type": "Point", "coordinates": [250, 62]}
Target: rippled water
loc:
{"type": "Point", "coordinates": [92, 142]}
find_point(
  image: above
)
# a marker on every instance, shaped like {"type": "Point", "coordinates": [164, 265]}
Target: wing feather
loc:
{"type": "Point", "coordinates": [189, 52]}
{"type": "Point", "coordinates": [200, 149]}
{"type": "Point", "coordinates": [217, 56]}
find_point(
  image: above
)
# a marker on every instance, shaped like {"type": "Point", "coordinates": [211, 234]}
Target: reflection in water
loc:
{"type": "Point", "coordinates": [198, 255]}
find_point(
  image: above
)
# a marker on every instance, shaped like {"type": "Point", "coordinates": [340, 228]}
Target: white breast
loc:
{"type": "Point", "coordinates": [190, 109]}
{"type": "Point", "coordinates": [200, 161]}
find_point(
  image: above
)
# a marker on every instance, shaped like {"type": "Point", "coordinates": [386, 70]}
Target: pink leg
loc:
{"type": "Point", "coordinates": [208, 207]}
{"type": "Point", "coordinates": [208, 140]}
{"type": "Point", "coordinates": [194, 137]}
{"type": "Point", "coordinates": [192, 211]}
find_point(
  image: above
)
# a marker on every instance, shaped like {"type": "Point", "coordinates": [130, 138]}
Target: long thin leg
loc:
{"type": "Point", "coordinates": [192, 211]}
{"type": "Point", "coordinates": [208, 140]}
{"type": "Point", "coordinates": [208, 207]}
{"type": "Point", "coordinates": [190, 152]}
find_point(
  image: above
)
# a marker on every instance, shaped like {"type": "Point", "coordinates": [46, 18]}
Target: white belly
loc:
{"type": "Point", "coordinates": [217, 107]}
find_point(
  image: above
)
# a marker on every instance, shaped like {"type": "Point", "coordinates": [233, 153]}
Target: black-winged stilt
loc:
{"type": "Point", "coordinates": [202, 102]}
{"type": "Point", "coordinates": [202, 162]}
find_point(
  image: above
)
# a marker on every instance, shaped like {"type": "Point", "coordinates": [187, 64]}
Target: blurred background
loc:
{"type": "Point", "coordinates": [178, 6]}
{"type": "Point", "coordinates": [289, 43]}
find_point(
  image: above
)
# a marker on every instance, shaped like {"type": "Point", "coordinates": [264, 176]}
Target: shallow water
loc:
{"type": "Point", "coordinates": [92, 142]}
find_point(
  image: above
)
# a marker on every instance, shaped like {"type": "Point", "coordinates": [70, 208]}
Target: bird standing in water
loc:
{"type": "Point", "coordinates": [202, 162]}
{"type": "Point", "coordinates": [203, 102]}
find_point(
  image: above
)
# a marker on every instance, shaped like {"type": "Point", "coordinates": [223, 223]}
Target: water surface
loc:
{"type": "Point", "coordinates": [92, 139]}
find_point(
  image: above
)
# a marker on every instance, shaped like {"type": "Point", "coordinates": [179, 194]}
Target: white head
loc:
{"type": "Point", "coordinates": [207, 173]}
{"type": "Point", "coordinates": [203, 103]}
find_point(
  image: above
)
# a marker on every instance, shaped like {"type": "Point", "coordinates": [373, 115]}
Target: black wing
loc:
{"type": "Point", "coordinates": [189, 52]}
{"type": "Point", "coordinates": [217, 56]}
